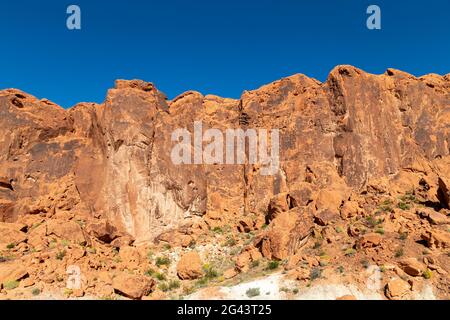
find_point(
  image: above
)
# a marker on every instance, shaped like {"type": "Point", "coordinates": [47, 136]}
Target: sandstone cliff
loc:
{"type": "Point", "coordinates": [347, 145]}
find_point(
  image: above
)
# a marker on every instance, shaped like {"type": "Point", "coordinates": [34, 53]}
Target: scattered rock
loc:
{"type": "Point", "coordinates": [369, 240]}
{"type": "Point", "coordinates": [437, 239]}
{"type": "Point", "coordinates": [397, 289]}
{"type": "Point", "coordinates": [133, 286]}
{"type": "Point", "coordinates": [412, 267]}
{"type": "Point", "coordinates": [190, 266]}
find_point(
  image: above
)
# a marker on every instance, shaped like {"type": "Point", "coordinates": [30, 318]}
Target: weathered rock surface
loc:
{"type": "Point", "coordinates": [133, 286]}
{"type": "Point", "coordinates": [189, 266]}
{"type": "Point", "coordinates": [364, 167]}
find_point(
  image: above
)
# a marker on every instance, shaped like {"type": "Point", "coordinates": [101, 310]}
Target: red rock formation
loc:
{"type": "Point", "coordinates": [113, 160]}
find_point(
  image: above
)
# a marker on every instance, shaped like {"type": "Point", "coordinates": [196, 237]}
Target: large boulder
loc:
{"type": "Point", "coordinates": [190, 266]}
{"type": "Point", "coordinates": [133, 286]}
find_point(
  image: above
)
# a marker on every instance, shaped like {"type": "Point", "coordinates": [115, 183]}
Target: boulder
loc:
{"type": "Point", "coordinates": [66, 230]}
{"type": "Point", "coordinates": [434, 217]}
{"type": "Point", "coordinates": [12, 272]}
{"type": "Point", "coordinates": [190, 266]}
{"type": "Point", "coordinates": [397, 289]}
{"type": "Point", "coordinates": [436, 239]}
{"type": "Point", "coordinates": [103, 230]}
{"type": "Point", "coordinates": [412, 267]}
{"type": "Point", "coordinates": [10, 235]}
{"type": "Point", "coordinates": [130, 257]}
{"type": "Point", "coordinates": [369, 240]}
{"type": "Point", "coordinates": [133, 286]}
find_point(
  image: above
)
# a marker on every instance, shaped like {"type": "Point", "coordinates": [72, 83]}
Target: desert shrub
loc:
{"type": "Point", "coordinates": [210, 272]}
{"type": "Point", "coordinates": [350, 252]}
{"type": "Point", "coordinates": [403, 205]}
{"type": "Point", "coordinates": [403, 235]}
{"type": "Point", "coordinates": [427, 274]}
{"type": "Point", "coordinates": [315, 273]}
{"type": "Point", "coordinates": [149, 272]}
{"type": "Point", "coordinates": [272, 265]}
{"type": "Point", "coordinates": [252, 292]}
{"type": "Point", "coordinates": [9, 285]}
{"type": "Point", "coordinates": [160, 276]}
{"type": "Point", "coordinates": [399, 253]}
{"type": "Point", "coordinates": [173, 284]}
{"type": "Point", "coordinates": [60, 255]}
{"type": "Point", "coordinates": [35, 292]}
{"type": "Point", "coordinates": [162, 261]}
{"type": "Point", "coordinates": [217, 230]}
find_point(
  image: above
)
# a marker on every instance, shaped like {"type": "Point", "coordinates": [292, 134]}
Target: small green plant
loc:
{"type": "Point", "coordinates": [9, 285]}
{"type": "Point", "coordinates": [255, 263]}
{"type": "Point", "coordinates": [173, 284]}
{"type": "Point", "coordinates": [61, 254]}
{"type": "Point", "coordinates": [350, 252]}
{"type": "Point", "coordinates": [399, 252]}
{"type": "Point", "coordinates": [284, 289]}
{"type": "Point", "coordinates": [65, 243]}
{"type": "Point", "coordinates": [339, 229]}
{"type": "Point", "coordinates": [210, 272]}
{"type": "Point", "coordinates": [264, 226]}
{"type": "Point", "coordinates": [403, 235]}
{"type": "Point", "coordinates": [162, 261]}
{"type": "Point", "coordinates": [427, 274]}
{"type": "Point", "coordinates": [163, 287]}
{"type": "Point", "coordinates": [379, 230]}
{"type": "Point", "coordinates": [252, 292]}
{"type": "Point", "coordinates": [149, 272]}
{"type": "Point", "coordinates": [295, 291]}
{"type": "Point", "coordinates": [201, 282]}
{"type": "Point", "coordinates": [365, 264]}
{"type": "Point", "coordinates": [91, 250]}
{"type": "Point", "coordinates": [403, 205]}
{"type": "Point", "coordinates": [167, 246]}
{"type": "Point", "coordinates": [35, 291]}
{"type": "Point", "coordinates": [230, 242]}
{"type": "Point", "coordinates": [317, 245]}
{"type": "Point", "coordinates": [340, 269]}
{"type": "Point", "coordinates": [372, 222]}
{"type": "Point", "coordinates": [315, 273]}
{"type": "Point", "coordinates": [217, 230]}
{"type": "Point", "coordinates": [382, 268]}
{"type": "Point", "coordinates": [386, 206]}
{"type": "Point", "coordinates": [10, 246]}
{"type": "Point", "coordinates": [272, 265]}
{"type": "Point", "coordinates": [160, 276]}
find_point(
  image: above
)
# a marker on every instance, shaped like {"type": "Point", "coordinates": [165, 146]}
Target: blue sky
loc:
{"type": "Point", "coordinates": [217, 47]}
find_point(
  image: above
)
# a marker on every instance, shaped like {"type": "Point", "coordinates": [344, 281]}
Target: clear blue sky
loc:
{"type": "Point", "coordinates": [213, 46]}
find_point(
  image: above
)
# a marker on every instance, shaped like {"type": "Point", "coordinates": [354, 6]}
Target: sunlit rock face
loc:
{"type": "Point", "coordinates": [113, 160]}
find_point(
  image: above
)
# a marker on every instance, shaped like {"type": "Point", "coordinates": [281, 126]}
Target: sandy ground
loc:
{"type": "Point", "coordinates": [274, 287]}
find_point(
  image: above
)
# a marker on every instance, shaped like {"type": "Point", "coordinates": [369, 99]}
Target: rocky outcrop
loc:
{"type": "Point", "coordinates": [362, 158]}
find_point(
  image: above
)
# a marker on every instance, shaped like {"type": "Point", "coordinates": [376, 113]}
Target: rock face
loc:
{"type": "Point", "coordinates": [113, 160]}
{"type": "Point", "coordinates": [104, 173]}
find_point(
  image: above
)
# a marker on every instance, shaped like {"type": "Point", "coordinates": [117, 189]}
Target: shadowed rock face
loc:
{"type": "Point", "coordinates": [112, 160]}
